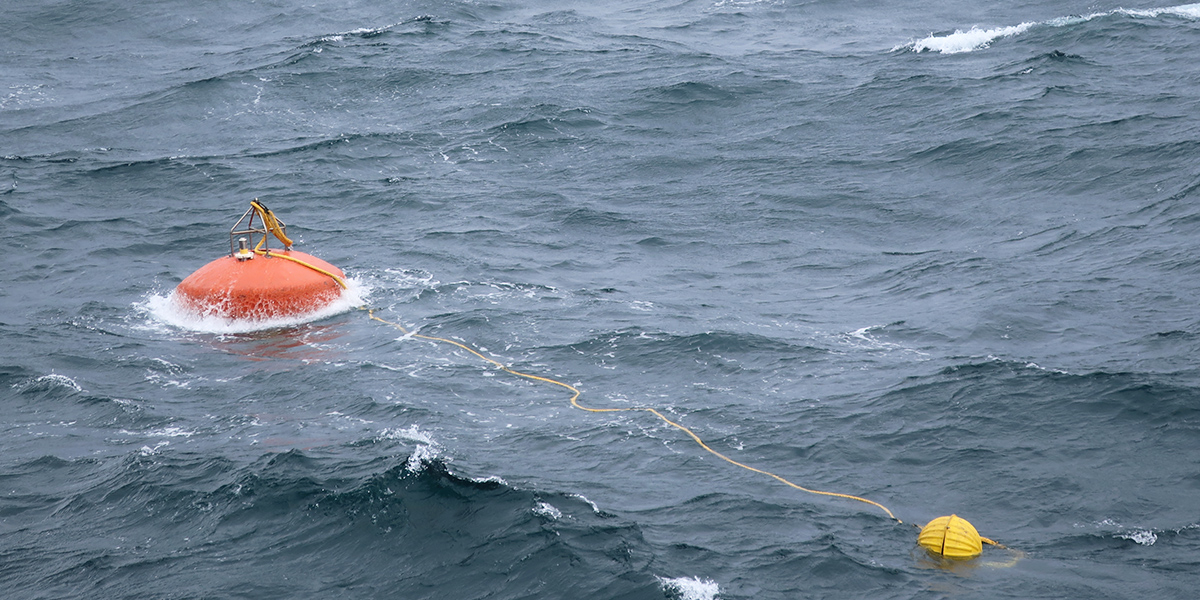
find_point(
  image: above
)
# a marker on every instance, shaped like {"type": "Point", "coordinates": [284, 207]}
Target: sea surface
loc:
{"type": "Point", "coordinates": [941, 255]}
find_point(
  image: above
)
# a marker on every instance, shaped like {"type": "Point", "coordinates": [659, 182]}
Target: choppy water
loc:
{"type": "Point", "coordinates": [944, 256]}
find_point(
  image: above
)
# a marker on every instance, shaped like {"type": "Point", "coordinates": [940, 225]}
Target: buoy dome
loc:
{"type": "Point", "coordinates": [952, 537]}
{"type": "Point", "coordinates": [263, 287]}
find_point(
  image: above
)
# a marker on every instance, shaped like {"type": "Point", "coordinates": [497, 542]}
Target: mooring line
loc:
{"type": "Point", "coordinates": [575, 393]}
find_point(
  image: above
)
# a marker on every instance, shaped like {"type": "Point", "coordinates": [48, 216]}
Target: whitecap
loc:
{"type": "Point", "coordinates": [1145, 538]}
{"type": "Point", "coordinates": [148, 451]}
{"type": "Point", "coordinates": [1186, 10]}
{"type": "Point", "coordinates": [595, 508]}
{"type": "Point", "coordinates": [421, 456]}
{"type": "Point", "coordinates": [59, 380]}
{"type": "Point", "coordinates": [978, 39]}
{"type": "Point", "coordinates": [690, 588]}
{"type": "Point", "coordinates": [545, 509]}
{"type": "Point", "coordinates": [44, 382]}
{"type": "Point", "coordinates": [162, 432]}
{"type": "Point", "coordinates": [370, 31]}
{"type": "Point", "coordinates": [864, 339]}
{"type": "Point", "coordinates": [413, 434]}
{"type": "Point", "coordinates": [489, 479]}
{"type": "Point", "coordinates": [964, 41]}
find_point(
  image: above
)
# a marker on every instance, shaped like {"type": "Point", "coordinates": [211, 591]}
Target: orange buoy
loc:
{"type": "Point", "coordinates": [266, 286]}
{"type": "Point", "coordinates": [261, 283]}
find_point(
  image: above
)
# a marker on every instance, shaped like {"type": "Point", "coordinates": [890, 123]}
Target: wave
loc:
{"type": "Point", "coordinates": [722, 350]}
{"type": "Point", "coordinates": [978, 39]}
{"type": "Point", "coordinates": [122, 162]}
{"type": "Point", "coordinates": [965, 41]}
{"type": "Point", "coordinates": [261, 61]}
{"type": "Point", "coordinates": [690, 588]}
{"type": "Point", "coordinates": [1109, 535]}
{"type": "Point", "coordinates": [297, 525]}
{"type": "Point", "coordinates": [48, 382]}
{"type": "Point", "coordinates": [547, 122]}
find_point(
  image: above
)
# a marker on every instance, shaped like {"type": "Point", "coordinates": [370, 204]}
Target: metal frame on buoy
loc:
{"type": "Point", "coordinates": [239, 247]}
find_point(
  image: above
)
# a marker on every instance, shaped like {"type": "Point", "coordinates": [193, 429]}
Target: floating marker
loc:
{"type": "Point", "coordinates": [260, 283]}
{"type": "Point", "coordinates": [951, 537]}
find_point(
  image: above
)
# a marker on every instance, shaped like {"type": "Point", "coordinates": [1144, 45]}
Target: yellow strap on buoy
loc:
{"type": "Point", "coordinates": [271, 223]}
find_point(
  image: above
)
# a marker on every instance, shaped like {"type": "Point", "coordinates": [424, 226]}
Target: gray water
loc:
{"type": "Point", "coordinates": [944, 257]}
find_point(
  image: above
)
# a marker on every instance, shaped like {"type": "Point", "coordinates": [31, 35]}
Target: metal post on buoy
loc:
{"type": "Point", "coordinates": [243, 252]}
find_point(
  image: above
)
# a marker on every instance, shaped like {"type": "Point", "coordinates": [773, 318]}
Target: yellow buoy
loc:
{"type": "Point", "coordinates": [951, 537]}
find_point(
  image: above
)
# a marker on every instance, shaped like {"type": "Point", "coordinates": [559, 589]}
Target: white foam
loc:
{"type": "Point", "coordinates": [964, 41]}
{"type": "Point", "coordinates": [23, 95]}
{"type": "Point", "coordinates": [163, 432]}
{"type": "Point", "coordinates": [420, 457]}
{"type": "Point", "coordinates": [545, 509]}
{"type": "Point", "coordinates": [371, 30]}
{"type": "Point", "coordinates": [412, 434]}
{"type": "Point", "coordinates": [426, 451]}
{"type": "Point", "coordinates": [1145, 538]}
{"type": "Point", "coordinates": [690, 588]}
{"type": "Point", "coordinates": [51, 380]}
{"type": "Point", "coordinates": [978, 39]}
{"type": "Point", "coordinates": [148, 451]}
{"type": "Point", "coordinates": [739, 4]}
{"type": "Point", "coordinates": [1187, 10]}
{"type": "Point", "coordinates": [361, 31]}
{"type": "Point", "coordinates": [1038, 367]}
{"type": "Point", "coordinates": [60, 380]}
{"type": "Point", "coordinates": [864, 340]}
{"type": "Point", "coordinates": [595, 508]}
{"type": "Point", "coordinates": [489, 479]}
{"type": "Point", "coordinates": [163, 308]}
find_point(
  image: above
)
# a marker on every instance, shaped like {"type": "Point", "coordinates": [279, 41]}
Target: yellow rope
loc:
{"type": "Point", "coordinates": [269, 254]}
{"type": "Point", "coordinates": [273, 226]}
{"type": "Point", "coordinates": [575, 402]}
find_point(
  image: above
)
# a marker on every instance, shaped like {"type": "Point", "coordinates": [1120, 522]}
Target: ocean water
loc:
{"type": "Point", "coordinates": [941, 255]}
